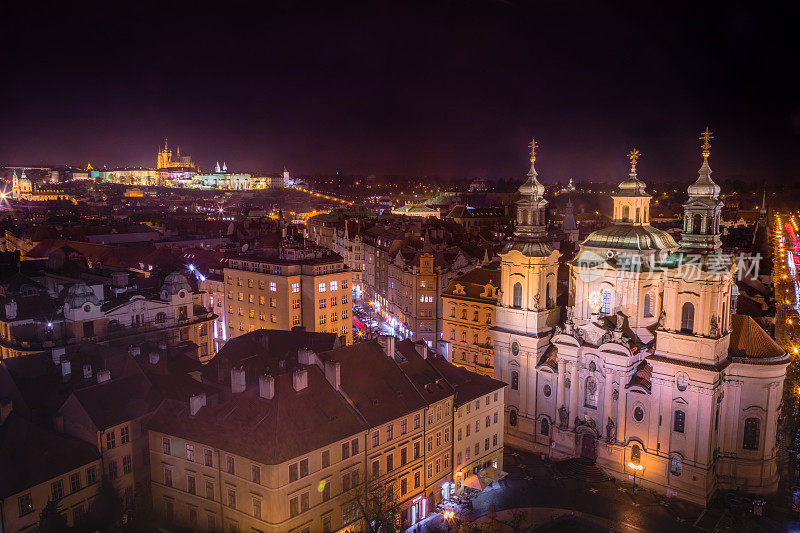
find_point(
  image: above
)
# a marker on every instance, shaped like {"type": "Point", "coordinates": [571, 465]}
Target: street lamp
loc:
{"type": "Point", "coordinates": [635, 468]}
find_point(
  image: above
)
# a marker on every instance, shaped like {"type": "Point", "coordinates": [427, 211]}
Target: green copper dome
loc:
{"type": "Point", "coordinates": [631, 237]}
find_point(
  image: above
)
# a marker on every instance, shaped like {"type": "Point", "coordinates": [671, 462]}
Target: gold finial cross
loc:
{"type": "Point", "coordinates": [634, 156]}
{"type": "Point", "coordinates": [706, 136]}
{"type": "Point", "coordinates": [533, 145]}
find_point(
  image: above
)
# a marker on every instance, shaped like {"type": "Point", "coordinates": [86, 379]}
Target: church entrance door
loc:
{"type": "Point", "coordinates": [588, 449]}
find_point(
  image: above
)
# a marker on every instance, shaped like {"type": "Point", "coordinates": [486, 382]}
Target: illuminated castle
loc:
{"type": "Point", "coordinates": [166, 160]}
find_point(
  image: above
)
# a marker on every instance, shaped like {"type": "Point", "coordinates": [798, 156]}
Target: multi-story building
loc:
{"type": "Point", "coordinates": [478, 423]}
{"type": "Point", "coordinates": [40, 465]}
{"type": "Point", "coordinates": [32, 319]}
{"type": "Point", "coordinates": [304, 436]}
{"type": "Point", "coordinates": [468, 315]}
{"type": "Point", "coordinates": [393, 414]}
{"type": "Point", "coordinates": [299, 285]}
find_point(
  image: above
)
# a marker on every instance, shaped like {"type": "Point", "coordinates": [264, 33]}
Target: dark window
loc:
{"type": "Point", "coordinates": [752, 433]}
{"type": "Point", "coordinates": [687, 318]}
{"type": "Point", "coordinates": [680, 421]}
{"type": "Point", "coordinates": [518, 294]}
{"type": "Point", "coordinates": [648, 305]}
{"type": "Point", "coordinates": [512, 418]}
{"type": "Point", "coordinates": [636, 454]}
{"type": "Point", "coordinates": [514, 380]}
{"type": "Point", "coordinates": [545, 427]}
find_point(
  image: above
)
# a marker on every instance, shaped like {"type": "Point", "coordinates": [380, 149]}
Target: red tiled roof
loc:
{"type": "Point", "coordinates": [748, 337]}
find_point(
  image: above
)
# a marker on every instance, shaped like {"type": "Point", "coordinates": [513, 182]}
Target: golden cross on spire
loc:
{"type": "Point", "coordinates": [634, 156]}
{"type": "Point", "coordinates": [533, 145]}
{"type": "Point", "coordinates": [706, 136]}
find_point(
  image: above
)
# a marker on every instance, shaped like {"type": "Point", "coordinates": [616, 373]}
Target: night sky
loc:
{"type": "Point", "coordinates": [453, 88]}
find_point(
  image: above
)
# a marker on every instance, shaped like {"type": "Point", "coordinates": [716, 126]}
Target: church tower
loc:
{"type": "Point", "coordinates": [695, 323]}
{"type": "Point", "coordinates": [526, 313]}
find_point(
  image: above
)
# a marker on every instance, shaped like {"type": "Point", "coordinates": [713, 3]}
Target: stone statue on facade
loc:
{"type": "Point", "coordinates": [562, 416]}
{"type": "Point", "coordinates": [611, 431]}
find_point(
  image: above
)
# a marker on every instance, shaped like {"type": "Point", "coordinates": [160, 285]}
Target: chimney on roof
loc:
{"type": "Point", "coordinates": [300, 379]}
{"type": "Point", "coordinates": [266, 387]}
{"type": "Point", "coordinates": [57, 354]}
{"type": "Point", "coordinates": [6, 406]}
{"type": "Point", "coordinates": [103, 376]}
{"type": "Point", "coordinates": [387, 343]}
{"type": "Point", "coordinates": [196, 401]}
{"type": "Point", "coordinates": [154, 357]}
{"type": "Point", "coordinates": [87, 371]}
{"type": "Point", "coordinates": [237, 380]}
{"type": "Point", "coordinates": [422, 349]}
{"type": "Point", "coordinates": [11, 310]}
{"type": "Point", "coordinates": [333, 373]}
{"type": "Point", "coordinates": [134, 351]}
{"type": "Point", "coordinates": [306, 356]}
{"type": "Point", "coordinates": [66, 370]}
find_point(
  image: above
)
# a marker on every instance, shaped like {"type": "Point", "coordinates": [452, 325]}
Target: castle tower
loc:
{"type": "Point", "coordinates": [527, 312]}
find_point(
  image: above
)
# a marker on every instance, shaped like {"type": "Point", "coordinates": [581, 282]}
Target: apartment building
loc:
{"type": "Point", "coordinates": [299, 284]}
{"type": "Point", "coordinates": [111, 415]}
{"type": "Point", "coordinates": [38, 465]}
{"type": "Point", "coordinates": [468, 305]}
{"type": "Point", "coordinates": [32, 319]}
{"type": "Point", "coordinates": [302, 432]}
{"type": "Point", "coordinates": [393, 414]}
{"type": "Point", "coordinates": [477, 421]}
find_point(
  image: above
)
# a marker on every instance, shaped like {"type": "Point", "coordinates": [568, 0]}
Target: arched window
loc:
{"type": "Point", "coordinates": [545, 427]}
{"type": "Point", "coordinates": [636, 454]}
{"type": "Point", "coordinates": [752, 433]}
{"type": "Point", "coordinates": [626, 213]}
{"type": "Point", "coordinates": [687, 318]}
{"type": "Point", "coordinates": [547, 296]}
{"type": "Point", "coordinates": [638, 215]}
{"type": "Point", "coordinates": [590, 393]}
{"type": "Point", "coordinates": [680, 421]}
{"type": "Point", "coordinates": [514, 380]}
{"type": "Point", "coordinates": [675, 465]}
{"type": "Point", "coordinates": [606, 309]}
{"type": "Point", "coordinates": [512, 418]}
{"type": "Point", "coordinates": [697, 226]}
{"type": "Point", "coordinates": [648, 305]}
{"type": "Point", "coordinates": [518, 294]}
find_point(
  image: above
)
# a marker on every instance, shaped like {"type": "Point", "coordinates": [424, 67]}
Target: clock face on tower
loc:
{"type": "Point", "coordinates": [515, 348]}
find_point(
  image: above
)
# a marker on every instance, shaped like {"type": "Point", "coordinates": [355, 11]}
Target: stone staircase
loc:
{"type": "Point", "coordinates": [583, 469]}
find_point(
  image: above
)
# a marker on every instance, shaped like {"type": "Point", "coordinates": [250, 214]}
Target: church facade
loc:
{"type": "Point", "coordinates": [649, 371]}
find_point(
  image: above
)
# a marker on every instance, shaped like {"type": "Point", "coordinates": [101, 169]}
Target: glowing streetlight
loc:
{"type": "Point", "coordinates": [635, 468]}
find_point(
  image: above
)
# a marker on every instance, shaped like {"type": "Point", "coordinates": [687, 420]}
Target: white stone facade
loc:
{"type": "Point", "coordinates": [651, 367]}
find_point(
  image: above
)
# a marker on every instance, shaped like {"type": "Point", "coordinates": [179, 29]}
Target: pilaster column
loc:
{"type": "Point", "coordinates": [560, 400]}
{"type": "Point", "coordinates": [621, 408]}
{"type": "Point", "coordinates": [772, 420]}
{"type": "Point", "coordinates": [573, 393]}
{"type": "Point", "coordinates": [607, 406]}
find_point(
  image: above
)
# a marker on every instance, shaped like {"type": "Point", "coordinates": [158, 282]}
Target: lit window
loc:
{"type": "Point", "coordinates": [321, 287]}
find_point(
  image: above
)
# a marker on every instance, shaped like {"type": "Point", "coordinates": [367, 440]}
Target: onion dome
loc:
{"type": "Point", "coordinates": [80, 294]}
{"type": "Point", "coordinates": [532, 187]}
{"type": "Point", "coordinates": [704, 187]}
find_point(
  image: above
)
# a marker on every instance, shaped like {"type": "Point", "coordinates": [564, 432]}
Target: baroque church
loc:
{"type": "Point", "coordinates": [650, 370]}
